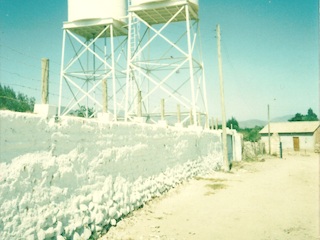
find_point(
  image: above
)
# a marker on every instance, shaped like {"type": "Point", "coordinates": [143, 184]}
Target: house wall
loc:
{"type": "Point", "coordinates": [306, 142]}
{"type": "Point", "coordinates": [234, 145]}
{"type": "Point", "coordinates": [274, 142]}
{"type": "Point", "coordinates": [237, 146]}
{"type": "Point", "coordinates": [316, 137]}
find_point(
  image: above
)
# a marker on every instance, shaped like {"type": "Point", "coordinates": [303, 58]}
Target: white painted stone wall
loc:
{"type": "Point", "coordinates": [77, 177]}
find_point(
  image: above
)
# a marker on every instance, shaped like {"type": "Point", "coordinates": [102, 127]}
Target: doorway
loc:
{"type": "Point", "coordinates": [296, 144]}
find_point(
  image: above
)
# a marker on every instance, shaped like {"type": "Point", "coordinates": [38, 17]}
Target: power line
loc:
{"type": "Point", "coordinates": [27, 78]}
{"type": "Point", "coordinates": [11, 98]}
{"type": "Point", "coordinates": [33, 89]}
{"type": "Point", "coordinates": [18, 75]}
{"type": "Point", "coordinates": [29, 65]}
{"type": "Point", "coordinates": [23, 54]}
{"type": "Point", "coordinates": [18, 85]}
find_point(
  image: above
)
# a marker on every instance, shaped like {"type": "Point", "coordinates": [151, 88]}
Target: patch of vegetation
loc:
{"type": "Point", "coordinates": [210, 179]}
{"type": "Point", "coordinates": [311, 116]}
{"type": "Point", "coordinates": [10, 100]}
{"type": "Point", "coordinates": [251, 134]}
{"type": "Point", "coordinates": [259, 158]}
{"type": "Point", "coordinates": [84, 112]}
{"type": "Point", "coordinates": [233, 124]}
{"type": "Point", "coordinates": [216, 186]}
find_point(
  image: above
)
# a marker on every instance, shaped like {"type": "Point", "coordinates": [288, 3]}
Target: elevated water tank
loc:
{"type": "Point", "coordinates": [161, 11]}
{"type": "Point", "coordinates": [139, 2]}
{"type": "Point", "coordinates": [96, 9]}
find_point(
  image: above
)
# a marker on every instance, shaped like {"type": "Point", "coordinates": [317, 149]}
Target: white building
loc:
{"type": "Point", "coordinates": [234, 145]}
{"type": "Point", "coordinates": [294, 136]}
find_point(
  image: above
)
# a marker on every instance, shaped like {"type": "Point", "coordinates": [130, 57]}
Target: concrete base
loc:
{"type": "Point", "coordinates": [45, 110]}
{"type": "Point", "coordinates": [139, 119]}
{"type": "Point", "coordinates": [105, 117]}
{"type": "Point", "coordinates": [195, 128]}
{"type": "Point", "coordinates": [163, 123]}
{"type": "Point", "coordinates": [178, 125]}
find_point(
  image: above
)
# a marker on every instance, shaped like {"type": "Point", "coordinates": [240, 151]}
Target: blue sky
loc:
{"type": "Point", "coordinates": [269, 52]}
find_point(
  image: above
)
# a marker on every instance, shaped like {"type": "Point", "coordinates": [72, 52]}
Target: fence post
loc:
{"type": "Point", "coordinates": [104, 96]}
{"type": "Point", "coordinates": [139, 110]}
{"type": "Point", "coordinates": [45, 81]}
{"type": "Point", "coordinates": [191, 117]}
{"type": "Point", "coordinates": [162, 109]}
{"type": "Point", "coordinates": [207, 122]}
{"type": "Point", "coordinates": [178, 114]}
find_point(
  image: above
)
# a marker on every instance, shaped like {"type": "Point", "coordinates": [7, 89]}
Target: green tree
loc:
{"type": "Point", "coordinates": [251, 134]}
{"type": "Point", "coordinates": [296, 118]}
{"type": "Point", "coordinates": [233, 123]}
{"type": "Point", "coordinates": [82, 112]}
{"type": "Point", "coordinates": [15, 102]}
{"type": "Point", "coordinates": [311, 116]}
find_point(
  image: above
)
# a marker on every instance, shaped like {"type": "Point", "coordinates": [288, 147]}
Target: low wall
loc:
{"type": "Point", "coordinates": [251, 150]}
{"type": "Point", "coordinates": [76, 177]}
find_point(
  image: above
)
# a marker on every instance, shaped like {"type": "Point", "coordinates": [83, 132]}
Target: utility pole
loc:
{"type": "Point", "coordinates": [269, 141]}
{"type": "Point", "coordinates": [223, 110]}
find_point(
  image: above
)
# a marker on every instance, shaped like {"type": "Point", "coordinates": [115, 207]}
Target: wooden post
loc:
{"type": "Point", "coordinates": [207, 126]}
{"type": "Point", "coordinates": [199, 118]}
{"type": "Point", "coordinates": [191, 117]}
{"type": "Point", "coordinates": [45, 81]}
{"type": "Point", "coordinates": [269, 141]}
{"type": "Point", "coordinates": [139, 110]}
{"type": "Point", "coordinates": [104, 96]}
{"type": "Point", "coordinates": [105, 82]}
{"type": "Point", "coordinates": [162, 109]}
{"type": "Point", "coordinates": [178, 114]}
{"type": "Point", "coordinates": [223, 110]}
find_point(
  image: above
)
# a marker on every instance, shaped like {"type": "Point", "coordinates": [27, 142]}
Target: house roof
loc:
{"type": "Point", "coordinates": [292, 127]}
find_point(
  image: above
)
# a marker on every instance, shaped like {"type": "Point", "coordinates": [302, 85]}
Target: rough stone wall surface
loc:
{"type": "Point", "coordinates": [76, 177]}
{"type": "Point", "coordinates": [252, 149]}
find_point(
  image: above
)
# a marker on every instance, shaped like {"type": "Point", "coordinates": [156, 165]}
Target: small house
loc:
{"type": "Point", "coordinates": [294, 136]}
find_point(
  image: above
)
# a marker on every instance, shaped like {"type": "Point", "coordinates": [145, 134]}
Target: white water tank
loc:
{"type": "Point", "coordinates": [96, 9]}
{"type": "Point", "coordinates": [139, 2]}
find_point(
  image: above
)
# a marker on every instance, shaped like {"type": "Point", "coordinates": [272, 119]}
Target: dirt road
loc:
{"type": "Point", "coordinates": [268, 200]}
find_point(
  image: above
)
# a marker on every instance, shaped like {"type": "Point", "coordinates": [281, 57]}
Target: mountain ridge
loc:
{"type": "Point", "coordinates": [251, 123]}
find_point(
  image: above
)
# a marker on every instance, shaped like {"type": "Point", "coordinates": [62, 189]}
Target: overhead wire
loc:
{"type": "Point", "coordinates": [4, 69]}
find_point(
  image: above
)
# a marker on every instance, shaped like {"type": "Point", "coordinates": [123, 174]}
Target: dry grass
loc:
{"type": "Point", "coordinates": [211, 179]}
{"type": "Point", "coordinates": [214, 187]}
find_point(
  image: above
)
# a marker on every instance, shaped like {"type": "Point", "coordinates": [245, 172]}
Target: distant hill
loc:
{"type": "Point", "coordinates": [256, 122]}
{"type": "Point", "coordinates": [282, 119]}
{"type": "Point", "coordinates": [252, 123]}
